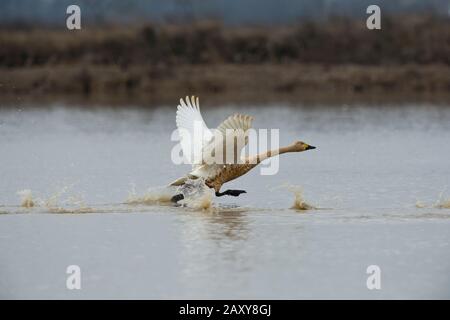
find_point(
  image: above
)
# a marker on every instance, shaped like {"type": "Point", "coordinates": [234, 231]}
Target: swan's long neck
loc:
{"type": "Point", "coordinates": [233, 171]}
{"type": "Point", "coordinates": [269, 154]}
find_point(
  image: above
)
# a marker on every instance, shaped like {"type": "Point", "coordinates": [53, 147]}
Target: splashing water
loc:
{"type": "Point", "coordinates": [71, 204]}
{"type": "Point", "coordinates": [299, 201]}
{"type": "Point", "coordinates": [441, 202]}
{"type": "Point", "coordinates": [420, 204]}
{"type": "Point", "coordinates": [197, 195]}
{"type": "Point", "coordinates": [154, 196]}
{"type": "Point", "coordinates": [26, 198]}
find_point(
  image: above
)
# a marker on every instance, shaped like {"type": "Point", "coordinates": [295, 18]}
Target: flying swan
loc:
{"type": "Point", "coordinates": [201, 149]}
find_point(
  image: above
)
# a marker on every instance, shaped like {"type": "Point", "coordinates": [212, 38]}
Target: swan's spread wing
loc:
{"type": "Point", "coordinates": [236, 122]}
{"type": "Point", "coordinates": [193, 132]}
{"type": "Point", "coordinates": [230, 137]}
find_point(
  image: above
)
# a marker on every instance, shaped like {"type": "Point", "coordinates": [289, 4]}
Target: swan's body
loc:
{"type": "Point", "coordinates": [230, 132]}
{"type": "Point", "coordinates": [216, 175]}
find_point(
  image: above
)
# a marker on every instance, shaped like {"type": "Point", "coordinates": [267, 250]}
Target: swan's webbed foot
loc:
{"type": "Point", "coordinates": [177, 198]}
{"type": "Point", "coordinates": [234, 193]}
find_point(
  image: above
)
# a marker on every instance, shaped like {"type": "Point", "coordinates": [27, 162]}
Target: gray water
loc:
{"type": "Point", "coordinates": [378, 179]}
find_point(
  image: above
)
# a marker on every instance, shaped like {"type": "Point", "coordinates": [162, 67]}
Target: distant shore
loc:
{"type": "Point", "coordinates": [336, 61]}
{"type": "Point", "coordinates": [229, 84]}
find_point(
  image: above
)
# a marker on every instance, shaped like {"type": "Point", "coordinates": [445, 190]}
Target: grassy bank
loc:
{"type": "Point", "coordinates": [409, 57]}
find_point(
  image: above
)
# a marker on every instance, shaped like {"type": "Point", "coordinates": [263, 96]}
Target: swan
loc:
{"type": "Point", "coordinates": [234, 128]}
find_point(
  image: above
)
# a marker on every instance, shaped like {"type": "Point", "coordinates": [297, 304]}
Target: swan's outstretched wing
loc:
{"type": "Point", "coordinates": [236, 122]}
{"type": "Point", "coordinates": [230, 137]}
{"type": "Point", "coordinates": [193, 132]}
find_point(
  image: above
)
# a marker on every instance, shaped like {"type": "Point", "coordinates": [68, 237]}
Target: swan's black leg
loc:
{"type": "Point", "coordinates": [234, 193]}
{"type": "Point", "coordinates": [177, 198]}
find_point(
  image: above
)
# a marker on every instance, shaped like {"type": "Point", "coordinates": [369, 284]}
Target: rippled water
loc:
{"type": "Point", "coordinates": [378, 179]}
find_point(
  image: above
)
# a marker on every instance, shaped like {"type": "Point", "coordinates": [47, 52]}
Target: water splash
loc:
{"type": "Point", "coordinates": [299, 200]}
{"type": "Point", "coordinates": [420, 204]}
{"type": "Point", "coordinates": [197, 195]}
{"type": "Point", "coordinates": [154, 196]}
{"type": "Point", "coordinates": [55, 203]}
{"type": "Point", "coordinates": [441, 202]}
{"type": "Point", "coordinates": [26, 198]}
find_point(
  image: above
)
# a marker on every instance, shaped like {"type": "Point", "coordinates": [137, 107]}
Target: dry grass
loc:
{"type": "Point", "coordinates": [231, 82]}
{"type": "Point", "coordinates": [421, 40]}
{"type": "Point", "coordinates": [410, 56]}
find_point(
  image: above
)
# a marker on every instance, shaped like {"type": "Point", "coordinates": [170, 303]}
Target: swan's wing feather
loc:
{"type": "Point", "coordinates": [189, 119]}
{"type": "Point", "coordinates": [233, 130]}
{"type": "Point", "coordinates": [236, 122]}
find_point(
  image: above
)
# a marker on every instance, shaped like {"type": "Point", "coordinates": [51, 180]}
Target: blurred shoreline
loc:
{"type": "Point", "coordinates": [338, 61]}
{"type": "Point", "coordinates": [222, 84]}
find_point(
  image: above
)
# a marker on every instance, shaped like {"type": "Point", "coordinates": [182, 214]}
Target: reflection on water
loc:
{"type": "Point", "coordinates": [231, 225]}
{"type": "Point", "coordinates": [376, 188]}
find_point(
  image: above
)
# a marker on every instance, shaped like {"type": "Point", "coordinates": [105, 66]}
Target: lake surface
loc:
{"type": "Point", "coordinates": [378, 179]}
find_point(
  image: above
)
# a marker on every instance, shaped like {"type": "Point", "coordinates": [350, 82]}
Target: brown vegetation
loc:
{"type": "Point", "coordinates": [409, 55]}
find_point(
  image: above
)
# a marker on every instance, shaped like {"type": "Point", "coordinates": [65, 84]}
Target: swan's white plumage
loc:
{"type": "Point", "coordinates": [234, 131]}
{"type": "Point", "coordinates": [236, 122]}
{"type": "Point", "coordinates": [200, 151]}
{"type": "Point", "coordinates": [188, 120]}
{"type": "Point", "coordinates": [231, 133]}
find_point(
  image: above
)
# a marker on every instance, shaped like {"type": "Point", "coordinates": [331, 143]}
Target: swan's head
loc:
{"type": "Point", "coordinates": [299, 146]}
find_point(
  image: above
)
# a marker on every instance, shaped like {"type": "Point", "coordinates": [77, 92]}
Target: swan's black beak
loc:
{"type": "Point", "coordinates": [310, 147]}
